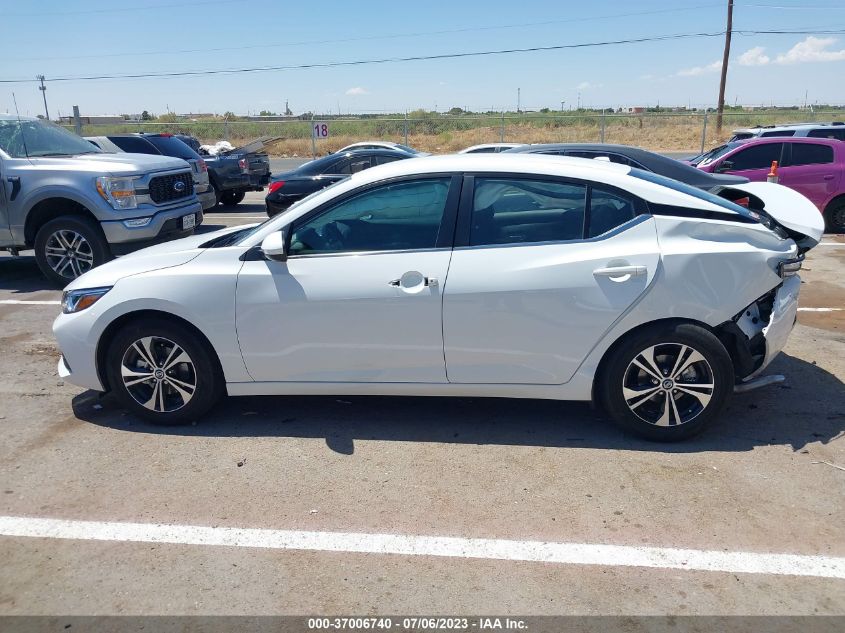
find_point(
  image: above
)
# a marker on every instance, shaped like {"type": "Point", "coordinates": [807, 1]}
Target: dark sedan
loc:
{"type": "Point", "coordinates": [287, 188]}
{"type": "Point", "coordinates": [634, 157]}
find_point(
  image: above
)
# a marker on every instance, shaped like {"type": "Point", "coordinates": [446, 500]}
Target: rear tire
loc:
{"type": "Point", "coordinates": [163, 372]}
{"type": "Point", "coordinates": [835, 217]}
{"type": "Point", "coordinates": [70, 246]}
{"type": "Point", "coordinates": [667, 383]}
{"type": "Point", "coordinates": [232, 197]}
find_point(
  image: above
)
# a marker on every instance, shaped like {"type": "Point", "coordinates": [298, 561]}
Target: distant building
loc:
{"type": "Point", "coordinates": [94, 119]}
{"type": "Point", "coordinates": [635, 110]}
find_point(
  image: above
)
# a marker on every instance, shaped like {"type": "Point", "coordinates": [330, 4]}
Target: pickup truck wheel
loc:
{"type": "Point", "coordinates": [68, 247]}
{"type": "Point", "coordinates": [232, 197]}
{"type": "Point", "coordinates": [835, 217]}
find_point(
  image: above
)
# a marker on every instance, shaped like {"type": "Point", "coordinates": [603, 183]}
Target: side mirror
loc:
{"type": "Point", "coordinates": [725, 165]}
{"type": "Point", "coordinates": [274, 246]}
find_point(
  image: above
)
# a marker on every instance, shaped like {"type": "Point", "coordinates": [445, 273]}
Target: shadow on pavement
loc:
{"type": "Point", "coordinates": [21, 274]}
{"type": "Point", "coordinates": [810, 407]}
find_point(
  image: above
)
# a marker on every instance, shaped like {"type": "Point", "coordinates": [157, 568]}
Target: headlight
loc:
{"type": "Point", "coordinates": [118, 192]}
{"type": "Point", "coordinates": [77, 300]}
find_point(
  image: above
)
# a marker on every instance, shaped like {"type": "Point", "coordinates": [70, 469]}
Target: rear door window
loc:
{"type": "Point", "coordinates": [810, 154]}
{"type": "Point", "coordinates": [756, 156]}
{"type": "Point", "coordinates": [609, 210]}
{"type": "Point", "coordinates": [525, 211]}
{"type": "Point", "coordinates": [782, 133]}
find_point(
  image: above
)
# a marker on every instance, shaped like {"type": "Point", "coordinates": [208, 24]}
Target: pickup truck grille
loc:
{"type": "Point", "coordinates": [172, 187]}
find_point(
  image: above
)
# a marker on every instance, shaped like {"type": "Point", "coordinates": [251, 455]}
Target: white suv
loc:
{"type": "Point", "coordinates": [814, 130]}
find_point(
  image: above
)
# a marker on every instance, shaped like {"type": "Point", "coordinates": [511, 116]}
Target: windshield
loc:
{"type": "Point", "coordinates": [251, 231]}
{"type": "Point", "coordinates": [713, 154]}
{"type": "Point", "coordinates": [29, 138]}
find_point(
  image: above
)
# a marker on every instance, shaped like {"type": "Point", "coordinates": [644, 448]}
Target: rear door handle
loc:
{"type": "Point", "coordinates": [829, 177]}
{"type": "Point", "coordinates": [620, 271]}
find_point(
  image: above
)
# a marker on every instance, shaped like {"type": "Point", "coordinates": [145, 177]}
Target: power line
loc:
{"type": "Point", "coordinates": [389, 60]}
{"type": "Point", "coordinates": [362, 62]}
{"type": "Point", "coordinates": [374, 37]}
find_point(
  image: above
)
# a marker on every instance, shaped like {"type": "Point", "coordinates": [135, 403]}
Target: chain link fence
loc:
{"type": "Point", "coordinates": [443, 133]}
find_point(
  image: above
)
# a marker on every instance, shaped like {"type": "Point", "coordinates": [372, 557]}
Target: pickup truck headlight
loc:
{"type": "Point", "coordinates": [78, 300]}
{"type": "Point", "coordinates": [118, 192]}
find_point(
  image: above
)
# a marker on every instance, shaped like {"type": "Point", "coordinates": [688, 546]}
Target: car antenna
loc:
{"type": "Point", "coordinates": [20, 125]}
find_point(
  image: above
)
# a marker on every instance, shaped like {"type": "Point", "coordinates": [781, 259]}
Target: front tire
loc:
{"type": "Point", "coordinates": [163, 372]}
{"type": "Point", "coordinates": [667, 383]}
{"type": "Point", "coordinates": [69, 246]}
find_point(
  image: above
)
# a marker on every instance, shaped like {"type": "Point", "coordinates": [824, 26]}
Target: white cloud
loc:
{"type": "Point", "coordinates": [812, 49]}
{"type": "Point", "coordinates": [754, 57]}
{"type": "Point", "coordinates": [586, 85]}
{"type": "Point", "coordinates": [700, 70]}
{"type": "Point", "coordinates": [356, 91]}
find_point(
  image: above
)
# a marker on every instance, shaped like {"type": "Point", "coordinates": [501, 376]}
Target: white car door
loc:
{"type": "Point", "coordinates": [359, 297]}
{"type": "Point", "coordinates": [541, 269]}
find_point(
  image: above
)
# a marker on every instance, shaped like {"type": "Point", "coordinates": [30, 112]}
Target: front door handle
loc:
{"type": "Point", "coordinates": [829, 177]}
{"type": "Point", "coordinates": [427, 281]}
{"type": "Point", "coordinates": [15, 181]}
{"type": "Point", "coordinates": [620, 271]}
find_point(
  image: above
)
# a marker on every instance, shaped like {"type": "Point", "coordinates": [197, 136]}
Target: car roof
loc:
{"type": "Point", "coordinates": [788, 139]}
{"type": "Point", "coordinates": [788, 126]}
{"type": "Point", "coordinates": [504, 165]}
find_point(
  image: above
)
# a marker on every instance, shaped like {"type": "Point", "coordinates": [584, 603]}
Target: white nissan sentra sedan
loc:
{"type": "Point", "coordinates": [504, 276]}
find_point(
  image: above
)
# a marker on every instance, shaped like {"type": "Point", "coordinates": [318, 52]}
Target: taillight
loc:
{"type": "Point", "coordinates": [276, 185]}
{"type": "Point", "coordinates": [243, 164]}
{"type": "Point", "coordinates": [790, 267]}
{"type": "Point", "coordinates": [743, 202]}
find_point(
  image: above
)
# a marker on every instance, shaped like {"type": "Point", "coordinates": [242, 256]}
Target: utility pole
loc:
{"type": "Point", "coordinates": [43, 90]}
{"type": "Point", "coordinates": [518, 100]}
{"type": "Point", "coordinates": [724, 77]}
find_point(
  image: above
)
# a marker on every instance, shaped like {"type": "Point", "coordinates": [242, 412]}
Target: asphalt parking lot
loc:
{"type": "Point", "coordinates": [768, 479]}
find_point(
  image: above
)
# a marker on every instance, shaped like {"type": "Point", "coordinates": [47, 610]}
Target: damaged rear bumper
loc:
{"type": "Point", "coordinates": [762, 337]}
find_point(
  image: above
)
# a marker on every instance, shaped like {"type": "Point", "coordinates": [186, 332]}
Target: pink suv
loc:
{"type": "Point", "coordinates": [814, 167]}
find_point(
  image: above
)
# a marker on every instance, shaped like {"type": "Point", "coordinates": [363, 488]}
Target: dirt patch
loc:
{"type": "Point", "coordinates": [42, 349]}
{"type": "Point", "coordinates": [831, 321]}
{"type": "Point", "coordinates": [822, 294]}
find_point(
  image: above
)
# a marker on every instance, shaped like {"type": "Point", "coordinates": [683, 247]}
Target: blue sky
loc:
{"type": "Point", "coordinates": [67, 38]}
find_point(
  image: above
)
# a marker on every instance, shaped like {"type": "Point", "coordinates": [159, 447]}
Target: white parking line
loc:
{"type": "Point", "coordinates": [490, 549]}
{"type": "Point", "coordinates": [820, 309]}
{"type": "Point", "coordinates": [24, 302]}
